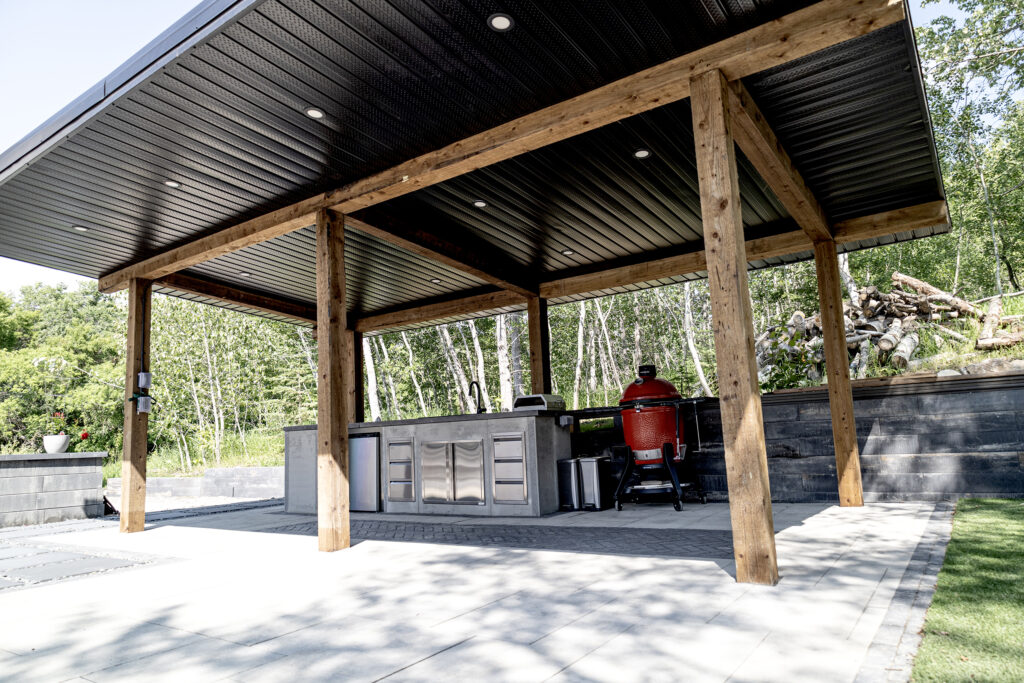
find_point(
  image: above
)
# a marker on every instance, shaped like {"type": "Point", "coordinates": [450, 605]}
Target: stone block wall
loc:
{"type": "Point", "coordinates": [42, 488]}
{"type": "Point", "coordinates": [220, 482]}
{"type": "Point", "coordinates": [924, 440]}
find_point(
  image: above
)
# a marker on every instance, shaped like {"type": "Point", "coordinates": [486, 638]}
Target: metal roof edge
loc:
{"type": "Point", "coordinates": [192, 29]}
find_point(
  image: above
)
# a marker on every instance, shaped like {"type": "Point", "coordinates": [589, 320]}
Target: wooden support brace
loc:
{"type": "Point", "coordinates": [136, 424]}
{"type": "Point", "coordinates": [333, 396]}
{"type": "Point", "coordinates": [540, 345]}
{"type": "Point", "coordinates": [746, 459]}
{"type": "Point", "coordinates": [840, 392]}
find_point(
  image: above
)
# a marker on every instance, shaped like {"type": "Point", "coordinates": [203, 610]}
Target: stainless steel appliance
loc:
{"type": "Point", "coordinates": [595, 476]}
{"type": "Point", "coordinates": [452, 472]}
{"type": "Point", "coordinates": [569, 484]}
{"type": "Point", "coordinates": [363, 475]}
{"type": "Point", "coordinates": [364, 472]}
{"type": "Point", "coordinates": [539, 402]}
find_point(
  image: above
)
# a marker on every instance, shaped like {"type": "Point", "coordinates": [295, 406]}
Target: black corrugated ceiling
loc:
{"type": "Point", "coordinates": [217, 104]}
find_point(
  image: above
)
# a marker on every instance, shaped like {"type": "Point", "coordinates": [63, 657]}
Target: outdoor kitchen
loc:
{"type": "Point", "coordinates": [530, 462]}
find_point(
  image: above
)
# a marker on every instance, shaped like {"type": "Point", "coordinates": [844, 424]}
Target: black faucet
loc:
{"type": "Point", "coordinates": [479, 397]}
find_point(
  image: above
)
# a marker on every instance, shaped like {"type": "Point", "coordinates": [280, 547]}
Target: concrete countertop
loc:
{"type": "Point", "coordinates": [469, 417]}
{"type": "Point", "coordinates": [54, 456]}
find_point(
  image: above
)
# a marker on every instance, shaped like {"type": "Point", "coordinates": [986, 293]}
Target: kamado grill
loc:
{"type": "Point", "coordinates": [653, 426]}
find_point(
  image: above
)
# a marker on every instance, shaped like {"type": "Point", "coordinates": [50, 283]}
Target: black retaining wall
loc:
{"type": "Point", "coordinates": [938, 439]}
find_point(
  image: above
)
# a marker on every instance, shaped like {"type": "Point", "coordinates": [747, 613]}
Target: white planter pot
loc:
{"type": "Point", "coordinates": [56, 443]}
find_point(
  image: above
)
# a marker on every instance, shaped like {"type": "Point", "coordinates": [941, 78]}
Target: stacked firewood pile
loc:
{"type": "Point", "coordinates": [890, 322]}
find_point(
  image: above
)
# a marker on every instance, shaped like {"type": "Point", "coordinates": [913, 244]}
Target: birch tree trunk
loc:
{"type": "Point", "coordinates": [580, 333]}
{"type": "Point", "coordinates": [516, 351]}
{"type": "Point", "coordinates": [637, 353]}
{"type": "Point", "coordinates": [412, 374]}
{"type": "Point", "coordinates": [215, 407]}
{"type": "Point", "coordinates": [851, 285]}
{"type": "Point", "coordinates": [612, 365]}
{"type": "Point", "coordinates": [690, 344]}
{"type": "Point", "coordinates": [504, 369]}
{"type": "Point", "coordinates": [307, 351]}
{"type": "Point", "coordinates": [456, 367]}
{"type": "Point", "coordinates": [371, 381]}
{"type": "Point", "coordinates": [396, 408]}
{"type": "Point", "coordinates": [988, 209]}
{"type": "Point", "coordinates": [592, 357]}
{"type": "Point", "coordinates": [604, 368]}
{"type": "Point", "coordinates": [481, 373]}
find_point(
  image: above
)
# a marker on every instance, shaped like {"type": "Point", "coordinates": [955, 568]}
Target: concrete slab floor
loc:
{"type": "Point", "coordinates": [228, 597]}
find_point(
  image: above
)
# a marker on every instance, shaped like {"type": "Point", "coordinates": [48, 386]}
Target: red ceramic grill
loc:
{"type": "Point", "coordinates": [650, 417]}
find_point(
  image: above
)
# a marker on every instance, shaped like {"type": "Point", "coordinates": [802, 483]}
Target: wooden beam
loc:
{"type": "Point", "coordinates": [927, 215]}
{"type": "Point", "coordinates": [790, 37]}
{"type": "Point", "coordinates": [423, 313]}
{"type": "Point", "coordinates": [242, 297]}
{"type": "Point", "coordinates": [136, 424]}
{"type": "Point", "coordinates": [669, 266]}
{"type": "Point", "coordinates": [660, 267]}
{"type": "Point", "coordinates": [461, 252]}
{"type": "Point", "coordinates": [540, 345]}
{"type": "Point", "coordinates": [746, 459]}
{"type": "Point", "coordinates": [763, 149]}
{"type": "Point", "coordinates": [837, 360]}
{"type": "Point", "coordinates": [333, 396]}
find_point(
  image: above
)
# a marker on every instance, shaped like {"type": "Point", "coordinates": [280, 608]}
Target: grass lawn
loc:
{"type": "Point", "coordinates": [974, 630]}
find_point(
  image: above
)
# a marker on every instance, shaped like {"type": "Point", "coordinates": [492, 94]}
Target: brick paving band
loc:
{"type": "Point", "coordinates": [678, 543]}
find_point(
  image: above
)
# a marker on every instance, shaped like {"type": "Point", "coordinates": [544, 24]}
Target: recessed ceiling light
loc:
{"type": "Point", "coordinates": [172, 183]}
{"type": "Point", "coordinates": [499, 21]}
{"type": "Point", "coordinates": [314, 113]}
{"type": "Point", "coordinates": [479, 203]}
{"type": "Point", "coordinates": [80, 228]}
{"type": "Point", "coordinates": [568, 252]}
{"type": "Point", "coordinates": [245, 275]}
{"type": "Point", "coordinates": [642, 153]}
{"type": "Point", "coordinates": [435, 280]}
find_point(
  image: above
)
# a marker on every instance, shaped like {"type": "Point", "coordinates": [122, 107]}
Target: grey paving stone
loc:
{"type": "Point", "coordinates": [9, 551]}
{"type": "Point", "coordinates": [18, 563]}
{"type": "Point", "coordinates": [890, 657]}
{"type": "Point", "coordinates": [65, 570]}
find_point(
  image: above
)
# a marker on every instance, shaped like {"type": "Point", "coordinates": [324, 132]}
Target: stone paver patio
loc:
{"type": "Point", "coordinates": [645, 594]}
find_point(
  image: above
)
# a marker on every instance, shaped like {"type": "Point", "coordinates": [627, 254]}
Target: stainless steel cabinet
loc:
{"type": "Point", "coordinates": [452, 472]}
{"type": "Point", "coordinates": [509, 468]}
{"type": "Point", "coordinates": [400, 472]}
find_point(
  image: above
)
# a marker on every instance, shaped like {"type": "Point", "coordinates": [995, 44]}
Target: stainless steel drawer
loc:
{"type": "Point", "coordinates": [400, 471]}
{"type": "Point", "coordinates": [505, 492]}
{"type": "Point", "coordinates": [400, 491]}
{"type": "Point", "coordinates": [509, 470]}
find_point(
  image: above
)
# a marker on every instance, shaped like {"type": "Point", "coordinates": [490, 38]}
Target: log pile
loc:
{"type": "Point", "coordinates": [890, 323]}
{"type": "Point", "coordinates": [991, 336]}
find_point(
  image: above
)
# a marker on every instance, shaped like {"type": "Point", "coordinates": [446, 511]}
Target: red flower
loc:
{"type": "Point", "coordinates": [85, 435]}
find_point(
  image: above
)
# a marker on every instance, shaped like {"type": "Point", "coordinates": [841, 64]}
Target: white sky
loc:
{"type": "Point", "coordinates": [51, 51]}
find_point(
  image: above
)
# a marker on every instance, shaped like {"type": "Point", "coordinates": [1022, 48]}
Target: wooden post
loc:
{"type": "Point", "coordinates": [750, 506]}
{"type": "Point", "coordinates": [354, 376]}
{"type": "Point", "coordinates": [136, 424]}
{"type": "Point", "coordinates": [332, 394]}
{"type": "Point", "coordinates": [840, 393]}
{"type": "Point", "coordinates": [540, 345]}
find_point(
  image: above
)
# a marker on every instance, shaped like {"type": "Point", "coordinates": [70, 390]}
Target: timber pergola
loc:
{"type": "Point", "coordinates": [472, 172]}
